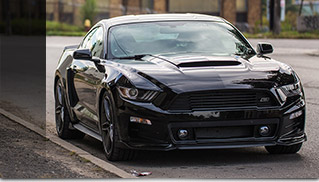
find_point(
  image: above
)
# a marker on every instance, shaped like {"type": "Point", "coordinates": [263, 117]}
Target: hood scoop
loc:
{"type": "Point", "coordinates": [209, 63]}
{"type": "Point", "coordinates": [189, 60]}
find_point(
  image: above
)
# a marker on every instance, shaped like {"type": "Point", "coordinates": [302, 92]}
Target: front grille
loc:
{"type": "Point", "coordinates": [224, 132]}
{"type": "Point", "coordinates": [222, 99]}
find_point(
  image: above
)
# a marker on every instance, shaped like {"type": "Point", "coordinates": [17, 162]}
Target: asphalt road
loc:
{"type": "Point", "coordinates": [302, 55]}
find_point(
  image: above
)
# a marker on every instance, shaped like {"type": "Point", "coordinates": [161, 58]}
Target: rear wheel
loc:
{"type": "Point", "coordinates": [62, 117]}
{"type": "Point", "coordinates": [279, 149]}
{"type": "Point", "coordinates": [110, 133]}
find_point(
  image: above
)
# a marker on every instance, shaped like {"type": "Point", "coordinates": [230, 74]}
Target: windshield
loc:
{"type": "Point", "coordinates": [158, 38]}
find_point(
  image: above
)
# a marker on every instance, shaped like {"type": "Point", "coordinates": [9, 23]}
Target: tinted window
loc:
{"type": "Point", "coordinates": [213, 38]}
{"type": "Point", "coordinates": [84, 44]}
{"type": "Point", "coordinates": [94, 42]}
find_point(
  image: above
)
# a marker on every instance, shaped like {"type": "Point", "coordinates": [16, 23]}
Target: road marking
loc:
{"type": "Point", "coordinates": [68, 146]}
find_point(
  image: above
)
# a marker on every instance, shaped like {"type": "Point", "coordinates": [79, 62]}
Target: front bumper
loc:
{"type": "Point", "coordinates": [237, 127]}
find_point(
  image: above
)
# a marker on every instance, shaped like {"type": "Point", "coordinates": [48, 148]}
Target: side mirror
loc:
{"type": "Point", "coordinates": [95, 59]}
{"type": "Point", "coordinates": [264, 48]}
{"type": "Point", "coordinates": [82, 54]}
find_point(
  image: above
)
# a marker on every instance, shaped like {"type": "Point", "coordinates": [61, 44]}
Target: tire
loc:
{"type": "Point", "coordinates": [109, 132]}
{"type": "Point", "coordinates": [62, 117]}
{"type": "Point", "coordinates": [280, 149]}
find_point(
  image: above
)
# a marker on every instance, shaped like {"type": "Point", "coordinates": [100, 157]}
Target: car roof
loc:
{"type": "Point", "coordinates": [158, 17]}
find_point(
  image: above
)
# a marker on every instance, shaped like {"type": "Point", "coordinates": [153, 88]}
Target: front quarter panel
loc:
{"type": "Point", "coordinates": [63, 73]}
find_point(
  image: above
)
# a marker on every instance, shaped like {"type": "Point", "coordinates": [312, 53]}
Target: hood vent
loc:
{"type": "Point", "coordinates": [209, 63]}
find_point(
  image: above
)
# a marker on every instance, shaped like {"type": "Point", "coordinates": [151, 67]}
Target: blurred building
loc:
{"type": "Point", "coordinates": [69, 11]}
{"type": "Point", "coordinates": [309, 7]}
{"type": "Point", "coordinates": [22, 16]}
{"type": "Point", "coordinates": [244, 13]}
{"type": "Point", "coordinates": [22, 9]}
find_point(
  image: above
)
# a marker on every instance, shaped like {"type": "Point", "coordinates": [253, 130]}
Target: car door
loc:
{"type": "Point", "coordinates": [87, 77]}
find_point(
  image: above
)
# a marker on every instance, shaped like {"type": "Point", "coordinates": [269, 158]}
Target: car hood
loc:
{"type": "Point", "coordinates": [189, 72]}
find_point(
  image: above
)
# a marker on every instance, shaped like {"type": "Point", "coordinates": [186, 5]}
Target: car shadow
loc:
{"type": "Point", "coordinates": [191, 158]}
{"type": "Point", "coordinates": [215, 157]}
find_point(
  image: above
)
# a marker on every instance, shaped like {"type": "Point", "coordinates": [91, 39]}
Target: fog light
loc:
{"type": "Point", "coordinates": [182, 134]}
{"type": "Point", "coordinates": [140, 120]}
{"type": "Point", "coordinates": [264, 130]}
{"type": "Point", "coordinates": [295, 114]}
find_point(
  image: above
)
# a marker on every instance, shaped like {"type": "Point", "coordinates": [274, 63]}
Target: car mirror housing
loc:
{"type": "Point", "coordinates": [264, 48]}
{"type": "Point", "coordinates": [96, 59]}
{"type": "Point", "coordinates": [84, 54]}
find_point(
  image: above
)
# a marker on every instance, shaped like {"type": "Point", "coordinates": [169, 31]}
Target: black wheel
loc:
{"type": "Point", "coordinates": [110, 134]}
{"type": "Point", "coordinates": [279, 149]}
{"type": "Point", "coordinates": [62, 117]}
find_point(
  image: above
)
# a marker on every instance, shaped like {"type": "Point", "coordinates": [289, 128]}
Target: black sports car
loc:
{"type": "Point", "coordinates": [176, 81]}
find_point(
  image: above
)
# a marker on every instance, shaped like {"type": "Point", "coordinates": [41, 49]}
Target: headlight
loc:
{"type": "Point", "coordinates": [137, 94]}
{"type": "Point", "coordinates": [292, 89]}
{"type": "Point", "coordinates": [130, 93]}
{"type": "Point", "coordinates": [289, 91]}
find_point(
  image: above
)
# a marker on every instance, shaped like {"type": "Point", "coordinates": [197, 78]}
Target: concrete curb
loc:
{"type": "Point", "coordinates": [68, 146]}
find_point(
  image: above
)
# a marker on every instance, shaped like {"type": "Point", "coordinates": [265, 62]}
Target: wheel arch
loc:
{"type": "Point", "coordinates": [66, 95]}
{"type": "Point", "coordinates": [105, 88]}
{"type": "Point", "coordinates": [100, 98]}
{"type": "Point", "coordinates": [107, 85]}
{"type": "Point", "coordinates": [56, 78]}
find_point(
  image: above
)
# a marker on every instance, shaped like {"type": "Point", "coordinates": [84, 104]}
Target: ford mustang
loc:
{"type": "Point", "coordinates": [176, 81]}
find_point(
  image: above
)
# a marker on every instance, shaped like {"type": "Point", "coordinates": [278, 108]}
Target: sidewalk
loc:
{"type": "Point", "coordinates": [25, 154]}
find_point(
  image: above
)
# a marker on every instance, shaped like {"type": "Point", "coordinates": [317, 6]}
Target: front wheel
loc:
{"type": "Point", "coordinates": [279, 149]}
{"type": "Point", "coordinates": [109, 133]}
{"type": "Point", "coordinates": [62, 117]}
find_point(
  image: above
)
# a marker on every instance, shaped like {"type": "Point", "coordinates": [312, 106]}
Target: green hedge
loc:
{"type": "Point", "coordinates": [63, 29]}
{"type": "Point", "coordinates": [63, 33]}
{"type": "Point", "coordinates": [25, 26]}
{"type": "Point", "coordinates": [57, 26]}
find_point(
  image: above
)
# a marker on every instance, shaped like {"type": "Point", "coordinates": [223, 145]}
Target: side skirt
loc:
{"type": "Point", "coordinates": [87, 131]}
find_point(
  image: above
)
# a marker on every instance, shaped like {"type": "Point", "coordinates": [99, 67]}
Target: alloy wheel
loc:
{"type": "Point", "coordinates": [59, 108]}
{"type": "Point", "coordinates": [107, 127]}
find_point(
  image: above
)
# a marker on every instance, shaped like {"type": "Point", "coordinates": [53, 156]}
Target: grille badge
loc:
{"type": "Point", "coordinates": [264, 99]}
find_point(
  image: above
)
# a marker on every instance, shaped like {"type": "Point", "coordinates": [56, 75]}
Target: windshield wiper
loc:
{"type": "Point", "coordinates": [136, 57]}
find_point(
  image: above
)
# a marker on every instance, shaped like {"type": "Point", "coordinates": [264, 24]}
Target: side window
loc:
{"type": "Point", "coordinates": [94, 42]}
{"type": "Point", "coordinates": [97, 42]}
{"type": "Point", "coordinates": [85, 43]}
